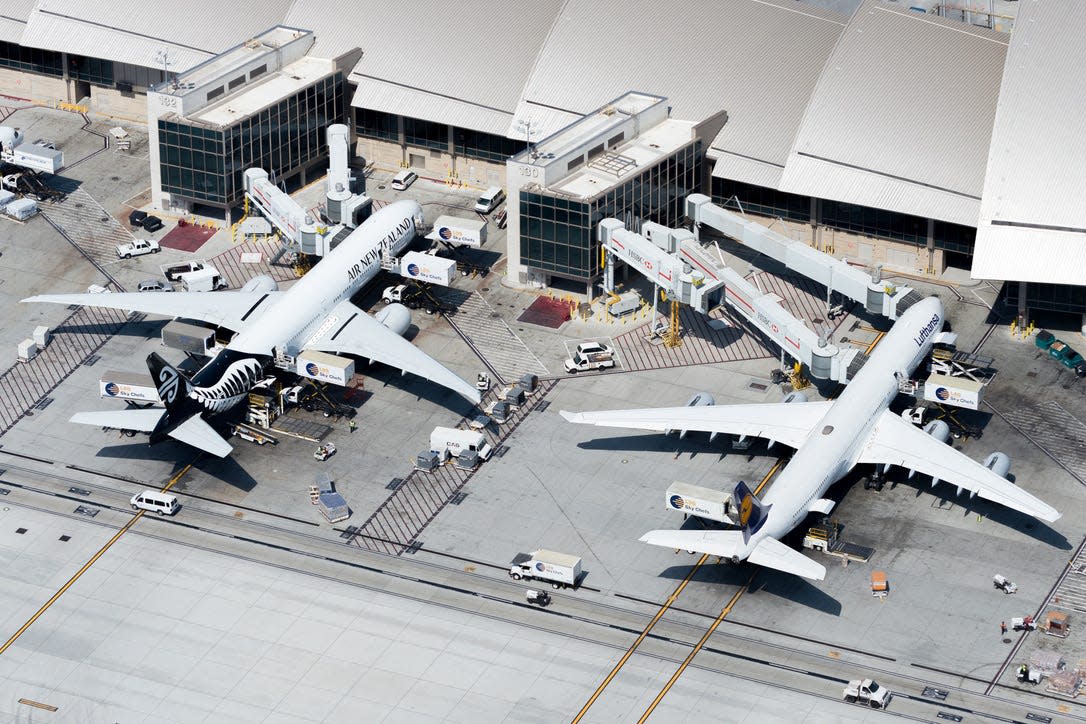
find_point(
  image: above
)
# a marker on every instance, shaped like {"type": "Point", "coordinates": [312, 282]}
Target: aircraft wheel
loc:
{"type": "Point", "coordinates": [161, 512]}
{"type": "Point", "coordinates": [134, 508]}
{"type": "Point", "coordinates": [516, 576]}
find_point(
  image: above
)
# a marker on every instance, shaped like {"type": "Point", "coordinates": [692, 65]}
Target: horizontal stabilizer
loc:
{"type": "Point", "coordinates": [723, 543]}
{"type": "Point", "coordinates": [822, 505]}
{"type": "Point", "coordinates": [771, 553]}
{"type": "Point", "coordinates": [196, 432]}
{"type": "Point", "coordinates": [143, 420]}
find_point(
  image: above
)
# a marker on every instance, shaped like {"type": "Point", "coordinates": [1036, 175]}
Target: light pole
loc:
{"type": "Point", "coordinates": [163, 56]}
{"type": "Point", "coordinates": [525, 125]}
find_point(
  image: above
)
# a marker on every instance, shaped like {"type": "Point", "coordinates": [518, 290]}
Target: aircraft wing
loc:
{"type": "Point", "coordinates": [194, 431]}
{"type": "Point", "coordinates": [364, 336]}
{"type": "Point", "coordinates": [781, 422]}
{"type": "Point", "coordinates": [230, 309]}
{"type": "Point", "coordinates": [898, 442]}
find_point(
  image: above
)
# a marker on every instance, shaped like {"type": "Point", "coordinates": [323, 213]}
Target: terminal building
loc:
{"type": "Point", "coordinates": [889, 136]}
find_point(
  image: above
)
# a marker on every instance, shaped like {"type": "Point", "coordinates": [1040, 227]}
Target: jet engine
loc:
{"type": "Point", "coordinates": [700, 399]}
{"type": "Point", "coordinates": [937, 429]}
{"type": "Point", "coordinates": [396, 317]}
{"type": "Point", "coordinates": [999, 463]}
{"type": "Point", "coordinates": [261, 283]}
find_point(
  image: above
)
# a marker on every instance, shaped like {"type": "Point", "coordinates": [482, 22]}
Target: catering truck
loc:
{"type": "Point", "coordinates": [133, 387]}
{"type": "Point", "coordinates": [700, 502]}
{"type": "Point", "coordinates": [559, 569]}
{"type": "Point", "coordinates": [457, 442]}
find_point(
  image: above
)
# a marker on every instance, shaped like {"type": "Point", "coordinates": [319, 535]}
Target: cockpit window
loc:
{"type": "Point", "coordinates": [827, 429]}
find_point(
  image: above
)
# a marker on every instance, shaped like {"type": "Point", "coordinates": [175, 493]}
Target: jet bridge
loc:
{"type": "Point", "coordinates": [674, 261]}
{"type": "Point", "coordinates": [876, 296]}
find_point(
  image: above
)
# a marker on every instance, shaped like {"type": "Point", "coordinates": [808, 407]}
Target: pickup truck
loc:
{"type": "Point", "coordinates": [590, 356]}
{"type": "Point", "coordinates": [138, 247]}
{"type": "Point", "coordinates": [411, 297]}
{"type": "Point", "coordinates": [867, 692]}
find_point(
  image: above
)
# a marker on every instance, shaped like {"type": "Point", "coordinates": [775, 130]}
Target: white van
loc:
{"type": "Point", "coordinates": [404, 179]}
{"type": "Point", "coordinates": [490, 200]}
{"type": "Point", "coordinates": [161, 503]}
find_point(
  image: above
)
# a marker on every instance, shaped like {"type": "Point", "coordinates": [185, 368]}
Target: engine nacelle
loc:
{"type": "Point", "coordinates": [261, 283]}
{"type": "Point", "coordinates": [794, 396]}
{"type": "Point", "coordinates": [10, 138]}
{"type": "Point", "coordinates": [700, 399]}
{"type": "Point", "coordinates": [396, 317]}
{"type": "Point", "coordinates": [999, 463]}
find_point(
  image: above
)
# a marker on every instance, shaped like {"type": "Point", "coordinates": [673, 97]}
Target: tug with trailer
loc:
{"type": "Point", "coordinates": [866, 691]}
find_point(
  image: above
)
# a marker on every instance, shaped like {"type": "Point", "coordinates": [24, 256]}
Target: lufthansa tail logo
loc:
{"type": "Point", "coordinates": [168, 384]}
{"type": "Point", "coordinates": [746, 507]}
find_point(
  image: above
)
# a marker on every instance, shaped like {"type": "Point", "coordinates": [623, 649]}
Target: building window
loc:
{"type": "Point", "coordinates": [484, 146]}
{"type": "Point", "coordinates": [1048, 297]}
{"type": "Point", "coordinates": [875, 222]}
{"type": "Point", "coordinates": [91, 70]}
{"type": "Point", "coordinates": [31, 60]}
{"type": "Point", "coordinates": [762, 201]}
{"type": "Point", "coordinates": [426, 134]}
{"type": "Point", "coordinates": [206, 164]}
{"type": "Point", "coordinates": [954, 237]}
{"type": "Point", "coordinates": [558, 235]}
{"type": "Point", "coordinates": [375, 124]}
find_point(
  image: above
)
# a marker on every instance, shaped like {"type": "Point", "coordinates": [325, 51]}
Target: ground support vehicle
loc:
{"type": "Point", "coordinates": [559, 569]}
{"type": "Point", "coordinates": [138, 247]}
{"type": "Point", "coordinates": [866, 691]}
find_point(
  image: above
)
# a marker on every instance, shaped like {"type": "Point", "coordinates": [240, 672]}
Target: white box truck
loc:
{"type": "Point", "coordinates": [202, 280]}
{"type": "Point", "coordinates": [700, 502]}
{"type": "Point", "coordinates": [560, 569]}
{"type": "Point", "coordinates": [132, 387]}
{"type": "Point", "coordinates": [428, 268]}
{"type": "Point", "coordinates": [457, 441]}
{"type": "Point", "coordinates": [455, 231]}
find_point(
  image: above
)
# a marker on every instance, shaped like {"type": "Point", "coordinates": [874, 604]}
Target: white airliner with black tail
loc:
{"type": "Point", "coordinates": [830, 438]}
{"type": "Point", "coordinates": [314, 314]}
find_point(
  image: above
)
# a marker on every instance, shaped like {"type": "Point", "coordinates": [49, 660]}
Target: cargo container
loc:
{"type": "Point", "coordinates": [428, 268]}
{"type": "Point", "coordinates": [458, 441]}
{"type": "Point", "coordinates": [560, 569]}
{"type": "Point", "coordinates": [6, 197]}
{"type": "Point", "coordinates": [188, 338]}
{"type": "Point", "coordinates": [324, 367]}
{"type": "Point", "coordinates": [21, 209]}
{"type": "Point", "coordinates": [956, 391]}
{"type": "Point", "coordinates": [699, 502]}
{"type": "Point", "coordinates": [455, 231]}
{"type": "Point", "coordinates": [128, 386]}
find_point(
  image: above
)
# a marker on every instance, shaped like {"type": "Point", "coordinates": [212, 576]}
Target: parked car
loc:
{"type": "Point", "coordinates": [404, 179]}
{"type": "Point", "coordinates": [153, 285]}
{"type": "Point", "coordinates": [138, 247]}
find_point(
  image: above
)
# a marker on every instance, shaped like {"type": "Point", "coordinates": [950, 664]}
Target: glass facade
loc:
{"type": "Point", "coordinates": [206, 164]}
{"type": "Point", "coordinates": [763, 201]}
{"type": "Point", "coordinates": [558, 235]}
{"type": "Point", "coordinates": [485, 146]}
{"type": "Point", "coordinates": [1048, 297]}
{"type": "Point", "coordinates": [91, 70]}
{"type": "Point", "coordinates": [875, 222]}
{"type": "Point", "coordinates": [955, 237]}
{"type": "Point", "coordinates": [426, 134]}
{"type": "Point", "coordinates": [375, 124]}
{"type": "Point", "coordinates": [31, 60]}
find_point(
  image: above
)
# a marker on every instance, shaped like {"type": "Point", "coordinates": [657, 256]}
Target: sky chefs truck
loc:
{"type": "Point", "coordinates": [699, 502]}
{"type": "Point", "coordinates": [559, 569]}
{"type": "Point", "coordinates": [131, 387]}
{"type": "Point", "coordinates": [324, 367]}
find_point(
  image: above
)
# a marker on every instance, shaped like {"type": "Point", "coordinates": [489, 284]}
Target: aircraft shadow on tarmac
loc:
{"type": "Point", "coordinates": [228, 470]}
{"type": "Point", "coordinates": [692, 445]}
{"type": "Point", "coordinates": [761, 580]}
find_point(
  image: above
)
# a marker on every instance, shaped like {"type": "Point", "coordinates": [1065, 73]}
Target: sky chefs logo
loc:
{"type": "Point", "coordinates": [677, 502]}
{"type": "Point", "coordinates": [926, 331]}
{"type": "Point", "coordinates": [539, 566]}
{"type": "Point", "coordinates": [942, 393]}
{"type": "Point", "coordinates": [112, 389]}
{"type": "Point", "coordinates": [413, 269]}
{"type": "Point", "coordinates": [312, 369]}
{"type": "Point", "coordinates": [445, 233]}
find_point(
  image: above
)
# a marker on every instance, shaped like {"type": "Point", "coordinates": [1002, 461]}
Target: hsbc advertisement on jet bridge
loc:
{"type": "Point", "coordinates": [428, 268]}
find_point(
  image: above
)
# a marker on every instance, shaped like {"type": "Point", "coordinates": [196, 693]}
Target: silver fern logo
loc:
{"type": "Point", "coordinates": [232, 387]}
{"type": "Point", "coordinates": [167, 385]}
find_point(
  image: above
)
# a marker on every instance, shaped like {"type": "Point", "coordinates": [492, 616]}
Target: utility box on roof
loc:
{"type": "Point", "coordinates": [324, 367]}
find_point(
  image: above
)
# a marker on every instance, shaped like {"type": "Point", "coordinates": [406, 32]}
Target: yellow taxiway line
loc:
{"type": "Point", "coordinates": [86, 566]}
{"type": "Point", "coordinates": [694, 652]}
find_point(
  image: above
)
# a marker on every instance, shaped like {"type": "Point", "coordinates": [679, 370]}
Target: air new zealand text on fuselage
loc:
{"type": "Point", "coordinates": [374, 254]}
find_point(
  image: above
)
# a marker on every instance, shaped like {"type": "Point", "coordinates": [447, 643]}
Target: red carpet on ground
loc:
{"type": "Point", "coordinates": [187, 237]}
{"type": "Point", "coordinates": [546, 312]}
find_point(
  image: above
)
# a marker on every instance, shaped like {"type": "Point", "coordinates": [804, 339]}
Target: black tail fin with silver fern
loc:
{"type": "Point", "coordinates": [176, 393]}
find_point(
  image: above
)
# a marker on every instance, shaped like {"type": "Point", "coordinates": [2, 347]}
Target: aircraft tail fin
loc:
{"type": "Point", "coordinates": [751, 512]}
{"type": "Point", "coordinates": [174, 389]}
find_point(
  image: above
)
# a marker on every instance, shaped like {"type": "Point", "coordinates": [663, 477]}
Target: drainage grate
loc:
{"type": "Point", "coordinates": [84, 510]}
{"type": "Point", "coordinates": [759, 386]}
{"type": "Point", "coordinates": [394, 484]}
{"type": "Point", "coordinates": [89, 362]}
{"type": "Point", "coordinates": [20, 531]}
{"type": "Point", "coordinates": [349, 532]}
{"type": "Point", "coordinates": [65, 538]}
{"type": "Point", "coordinates": [501, 451]}
{"type": "Point", "coordinates": [458, 499]}
{"type": "Point", "coordinates": [415, 547]}
{"type": "Point", "coordinates": [78, 491]}
{"type": "Point", "coordinates": [43, 403]}
{"type": "Point", "coordinates": [1038, 717]}
{"type": "Point", "coordinates": [543, 405]}
{"type": "Point", "coordinates": [948, 716]}
{"type": "Point", "coordinates": [4, 491]}
{"type": "Point", "coordinates": [930, 692]}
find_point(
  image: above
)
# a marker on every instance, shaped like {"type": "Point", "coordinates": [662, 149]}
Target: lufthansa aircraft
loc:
{"type": "Point", "coordinates": [830, 438]}
{"type": "Point", "coordinates": [314, 314]}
